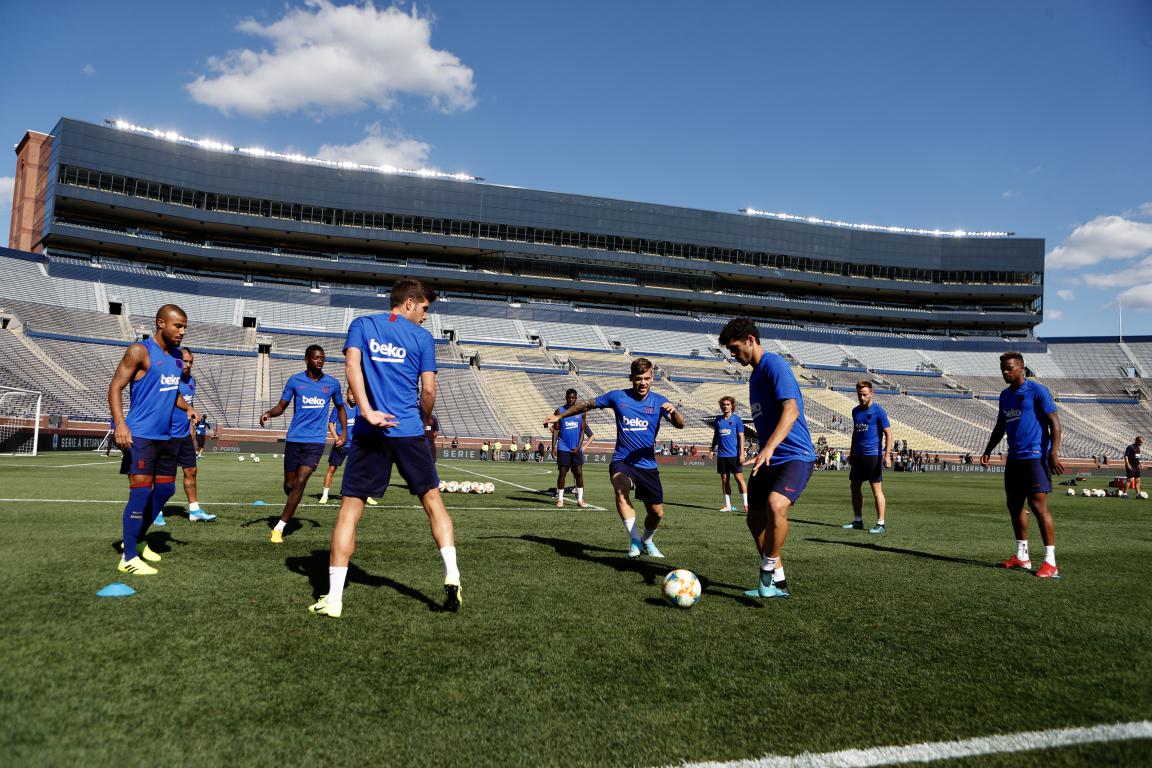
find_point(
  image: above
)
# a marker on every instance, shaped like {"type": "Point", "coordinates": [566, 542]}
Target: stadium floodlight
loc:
{"type": "Point", "coordinates": [294, 157]}
{"type": "Point", "coordinates": [871, 227]}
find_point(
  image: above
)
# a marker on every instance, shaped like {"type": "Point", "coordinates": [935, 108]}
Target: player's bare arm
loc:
{"type": "Point", "coordinates": [342, 414]}
{"type": "Point", "coordinates": [132, 366]}
{"type": "Point", "coordinates": [674, 415]}
{"type": "Point", "coordinates": [789, 412]}
{"type": "Point", "coordinates": [581, 407]}
{"type": "Point", "coordinates": [355, 376]}
{"type": "Point", "coordinates": [1054, 454]}
{"type": "Point", "coordinates": [587, 435]}
{"type": "Point", "coordinates": [183, 405]}
{"type": "Point", "coordinates": [428, 401]}
{"type": "Point", "coordinates": [993, 441]}
{"type": "Point", "coordinates": [273, 412]}
{"type": "Point", "coordinates": [887, 447]}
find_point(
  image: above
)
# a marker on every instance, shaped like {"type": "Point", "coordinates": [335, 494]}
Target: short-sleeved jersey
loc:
{"type": "Point", "coordinates": [394, 351]}
{"type": "Point", "coordinates": [351, 411]}
{"type": "Point", "coordinates": [637, 424]}
{"type": "Point", "coordinates": [1133, 454]}
{"type": "Point", "coordinates": [180, 418]}
{"type": "Point", "coordinates": [1025, 410]}
{"type": "Point", "coordinates": [153, 396]}
{"type": "Point", "coordinates": [770, 384]}
{"type": "Point", "coordinates": [202, 427]}
{"type": "Point", "coordinates": [868, 425]}
{"type": "Point", "coordinates": [727, 437]}
{"type": "Point", "coordinates": [570, 431]}
{"type": "Point", "coordinates": [310, 401]}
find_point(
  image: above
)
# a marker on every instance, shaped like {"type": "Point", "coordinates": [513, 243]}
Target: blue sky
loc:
{"type": "Point", "coordinates": [1030, 117]}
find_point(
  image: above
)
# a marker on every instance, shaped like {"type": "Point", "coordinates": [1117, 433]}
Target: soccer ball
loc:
{"type": "Point", "coordinates": [465, 487]}
{"type": "Point", "coordinates": [255, 459]}
{"type": "Point", "coordinates": [1122, 494]}
{"type": "Point", "coordinates": [681, 588]}
{"type": "Point", "coordinates": [275, 455]}
{"type": "Point", "coordinates": [1071, 492]}
{"type": "Point", "coordinates": [1100, 493]}
{"type": "Point", "coordinates": [477, 487]}
{"type": "Point", "coordinates": [443, 485]}
{"type": "Point", "coordinates": [252, 456]}
{"type": "Point", "coordinates": [1143, 494]}
{"type": "Point", "coordinates": [239, 458]}
{"type": "Point", "coordinates": [491, 488]}
{"type": "Point", "coordinates": [1085, 491]}
{"type": "Point", "coordinates": [453, 486]}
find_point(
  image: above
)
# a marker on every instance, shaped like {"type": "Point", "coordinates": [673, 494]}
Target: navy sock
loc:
{"type": "Point", "coordinates": [162, 491]}
{"type": "Point", "coordinates": [134, 513]}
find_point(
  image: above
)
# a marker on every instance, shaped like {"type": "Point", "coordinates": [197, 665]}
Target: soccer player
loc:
{"type": "Point", "coordinates": [570, 438]}
{"type": "Point", "coordinates": [1132, 456]}
{"type": "Point", "coordinates": [309, 392]}
{"type": "Point", "coordinates": [431, 432]}
{"type": "Point", "coordinates": [201, 432]}
{"type": "Point", "coordinates": [1028, 417]}
{"type": "Point", "coordinates": [338, 452]}
{"type": "Point", "coordinates": [639, 411]}
{"type": "Point", "coordinates": [151, 370]}
{"type": "Point", "coordinates": [867, 457]}
{"type": "Point", "coordinates": [728, 448]}
{"type": "Point", "coordinates": [183, 441]}
{"type": "Point", "coordinates": [390, 362]}
{"type": "Point", "coordinates": [782, 467]}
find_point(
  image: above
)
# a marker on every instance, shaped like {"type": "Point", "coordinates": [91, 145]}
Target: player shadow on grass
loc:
{"type": "Point", "coordinates": [903, 551]}
{"type": "Point", "coordinates": [293, 525]}
{"type": "Point", "coordinates": [653, 572]}
{"type": "Point", "coordinates": [541, 497]}
{"type": "Point", "coordinates": [814, 522]}
{"type": "Point", "coordinates": [160, 542]}
{"type": "Point", "coordinates": [315, 567]}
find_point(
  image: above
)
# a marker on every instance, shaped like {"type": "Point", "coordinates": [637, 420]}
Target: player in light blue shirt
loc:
{"type": "Point", "coordinates": [183, 437]}
{"type": "Point", "coordinates": [728, 448]}
{"type": "Point", "coordinates": [870, 428]}
{"type": "Point", "coordinates": [310, 393]}
{"type": "Point", "coordinates": [1028, 417]}
{"type": "Point", "coordinates": [639, 412]}
{"type": "Point", "coordinates": [781, 469]}
{"type": "Point", "coordinates": [570, 438]}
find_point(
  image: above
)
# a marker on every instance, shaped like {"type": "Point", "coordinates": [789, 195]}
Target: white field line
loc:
{"type": "Point", "coordinates": [275, 505]}
{"type": "Point", "coordinates": [947, 750]}
{"type": "Point", "coordinates": [509, 482]}
{"type": "Point", "coordinates": [68, 466]}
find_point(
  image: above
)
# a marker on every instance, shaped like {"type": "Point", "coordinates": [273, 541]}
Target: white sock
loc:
{"type": "Point", "coordinates": [559, 494]}
{"type": "Point", "coordinates": [778, 574]}
{"type": "Point", "coordinates": [880, 521]}
{"type": "Point", "coordinates": [280, 525]}
{"type": "Point", "coordinates": [579, 493]}
{"type": "Point", "coordinates": [336, 576]}
{"type": "Point", "coordinates": [193, 507]}
{"type": "Point", "coordinates": [1022, 549]}
{"type": "Point", "coordinates": [744, 496]}
{"type": "Point", "coordinates": [451, 572]}
{"type": "Point", "coordinates": [768, 563]}
{"type": "Point", "coordinates": [630, 524]}
{"type": "Point", "coordinates": [1050, 555]}
{"type": "Point", "coordinates": [727, 500]}
{"type": "Point", "coordinates": [324, 495]}
{"type": "Point", "coordinates": [648, 534]}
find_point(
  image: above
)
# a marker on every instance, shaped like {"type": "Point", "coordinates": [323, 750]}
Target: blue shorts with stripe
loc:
{"type": "Point", "coordinates": [788, 479]}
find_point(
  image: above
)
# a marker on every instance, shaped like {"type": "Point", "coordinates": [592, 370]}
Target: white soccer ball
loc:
{"type": "Point", "coordinates": [1085, 491]}
{"type": "Point", "coordinates": [491, 488]}
{"type": "Point", "coordinates": [251, 455]}
{"type": "Point", "coordinates": [1071, 492]}
{"type": "Point", "coordinates": [1100, 493]}
{"type": "Point", "coordinates": [681, 588]}
{"type": "Point", "coordinates": [255, 459]}
{"type": "Point", "coordinates": [1143, 494]}
{"type": "Point", "coordinates": [453, 486]}
{"type": "Point", "coordinates": [465, 487]}
{"type": "Point", "coordinates": [239, 458]}
{"type": "Point", "coordinates": [275, 455]}
{"type": "Point", "coordinates": [443, 485]}
{"type": "Point", "coordinates": [477, 487]}
{"type": "Point", "coordinates": [1123, 494]}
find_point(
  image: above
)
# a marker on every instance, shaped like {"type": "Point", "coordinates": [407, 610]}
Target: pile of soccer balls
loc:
{"type": "Point", "coordinates": [1101, 493]}
{"type": "Point", "coordinates": [254, 457]}
{"type": "Point", "coordinates": [451, 486]}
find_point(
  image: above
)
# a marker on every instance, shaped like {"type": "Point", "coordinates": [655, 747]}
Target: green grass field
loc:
{"type": "Point", "coordinates": [563, 653]}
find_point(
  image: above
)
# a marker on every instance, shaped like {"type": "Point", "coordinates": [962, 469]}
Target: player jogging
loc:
{"type": "Point", "coordinates": [1028, 417]}
{"type": "Point", "coordinates": [184, 444]}
{"type": "Point", "coordinates": [390, 363]}
{"type": "Point", "coordinates": [728, 448]}
{"type": "Point", "coordinates": [867, 457]}
{"type": "Point", "coordinates": [1132, 455]}
{"type": "Point", "coordinates": [570, 438]}
{"type": "Point", "coordinates": [783, 466]}
{"type": "Point", "coordinates": [339, 452]}
{"type": "Point", "coordinates": [638, 414]}
{"type": "Point", "coordinates": [151, 370]}
{"type": "Point", "coordinates": [309, 392]}
{"type": "Point", "coordinates": [201, 432]}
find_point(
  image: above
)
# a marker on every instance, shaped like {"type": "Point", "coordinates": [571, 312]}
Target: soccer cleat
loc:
{"type": "Point", "coordinates": [878, 528]}
{"type": "Point", "coordinates": [581, 503]}
{"type": "Point", "coordinates": [560, 504]}
{"type": "Point", "coordinates": [137, 567]}
{"type": "Point", "coordinates": [277, 537]}
{"type": "Point", "coordinates": [200, 515]}
{"type": "Point", "coordinates": [769, 591]}
{"type": "Point", "coordinates": [855, 524]}
{"type": "Point", "coordinates": [323, 608]}
{"type": "Point", "coordinates": [651, 550]}
{"type": "Point", "coordinates": [634, 549]}
{"type": "Point", "coordinates": [453, 597]}
{"type": "Point", "coordinates": [160, 520]}
{"type": "Point", "coordinates": [149, 555]}
{"type": "Point", "coordinates": [1015, 562]}
{"type": "Point", "coordinates": [371, 501]}
{"type": "Point", "coordinates": [323, 499]}
{"type": "Point", "coordinates": [1048, 571]}
{"type": "Point", "coordinates": [729, 508]}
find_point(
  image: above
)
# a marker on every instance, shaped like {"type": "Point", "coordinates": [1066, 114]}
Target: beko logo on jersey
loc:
{"type": "Point", "coordinates": [168, 383]}
{"type": "Point", "coordinates": [635, 425]}
{"type": "Point", "coordinates": [863, 426]}
{"type": "Point", "coordinates": [755, 410]}
{"type": "Point", "coordinates": [1012, 414]}
{"type": "Point", "coordinates": [571, 424]}
{"type": "Point", "coordinates": [389, 353]}
{"type": "Point", "coordinates": [307, 401]}
{"type": "Point", "coordinates": [725, 432]}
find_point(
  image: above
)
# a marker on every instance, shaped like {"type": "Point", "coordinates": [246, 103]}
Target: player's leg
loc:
{"type": "Point", "coordinates": [132, 522]}
{"type": "Point", "coordinates": [163, 488]}
{"type": "Point", "coordinates": [1018, 513]}
{"type": "Point", "coordinates": [782, 486]}
{"type": "Point", "coordinates": [881, 507]}
{"type": "Point", "coordinates": [307, 458]}
{"type": "Point", "coordinates": [343, 546]}
{"type": "Point", "coordinates": [654, 514]}
{"type": "Point", "coordinates": [418, 469]}
{"type": "Point", "coordinates": [331, 473]}
{"type": "Point", "coordinates": [1038, 503]}
{"type": "Point", "coordinates": [742, 484]}
{"type": "Point", "coordinates": [622, 487]}
{"type": "Point", "coordinates": [726, 488]}
{"type": "Point", "coordinates": [561, 480]}
{"type": "Point", "coordinates": [578, 479]}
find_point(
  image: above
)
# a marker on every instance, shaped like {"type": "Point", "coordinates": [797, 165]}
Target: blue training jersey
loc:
{"type": "Point", "coordinates": [637, 424]}
{"type": "Point", "coordinates": [1024, 411]}
{"type": "Point", "coordinates": [571, 431]}
{"type": "Point", "coordinates": [179, 417]}
{"type": "Point", "coordinates": [351, 411]}
{"type": "Point", "coordinates": [770, 384]}
{"type": "Point", "coordinates": [868, 424]}
{"type": "Point", "coordinates": [727, 437]}
{"type": "Point", "coordinates": [394, 351]}
{"type": "Point", "coordinates": [310, 400]}
{"type": "Point", "coordinates": [153, 396]}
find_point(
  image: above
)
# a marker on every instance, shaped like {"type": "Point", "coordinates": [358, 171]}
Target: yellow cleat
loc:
{"type": "Point", "coordinates": [277, 537]}
{"type": "Point", "coordinates": [371, 501]}
{"type": "Point", "coordinates": [323, 608]}
{"type": "Point", "coordinates": [149, 555]}
{"type": "Point", "coordinates": [137, 567]}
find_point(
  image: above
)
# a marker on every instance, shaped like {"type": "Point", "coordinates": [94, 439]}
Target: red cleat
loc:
{"type": "Point", "coordinates": [1048, 571]}
{"type": "Point", "coordinates": [1016, 563]}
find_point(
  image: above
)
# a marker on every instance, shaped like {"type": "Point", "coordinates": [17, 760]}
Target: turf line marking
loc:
{"type": "Point", "coordinates": [277, 505]}
{"type": "Point", "coordinates": [947, 750]}
{"type": "Point", "coordinates": [523, 487]}
{"type": "Point", "coordinates": [68, 466]}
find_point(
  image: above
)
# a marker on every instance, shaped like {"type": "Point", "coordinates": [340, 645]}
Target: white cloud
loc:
{"type": "Point", "coordinates": [1140, 272]}
{"type": "Point", "coordinates": [331, 58]}
{"type": "Point", "coordinates": [1010, 194]}
{"type": "Point", "coordinates": [379, 149]}
{"type": "Point", "coordinates": [1102, 239]}
{"type": "Point", "coordinates": [1053, 314]}
{"type": "Point", "coordinates": [88, 70]}
{"type": "Point", "coordinates": [1066, 294]}
{"type": "Point", "coordinates": [1139, 296]}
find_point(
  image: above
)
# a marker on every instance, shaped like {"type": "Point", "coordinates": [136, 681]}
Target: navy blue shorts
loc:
{"type": "Point", "coordinates": [645, 481]}
{"type": "Point", "coordinates": [149, 457]}
{"type": "Point", "coordinates": [1024, 477]}
{"type": "Point", "coordinates": [298, 455]}
{"type": "Point", "coordinates": [728, 465]}
{"type": "Point", "coordinates": [185, 451]}
{"type": "Point", "coordinates": [336, 455]}
{"type": "Point", "coordinates": [371, 460]}
{"type": "Point", "coordinates": [1132, 474]}
{"type": "Point", "coordinates": [787, 479]}
{"type": "Point", "coordinates": [570, 458]}
{"type": "Point", "coordinates": [866, 469]}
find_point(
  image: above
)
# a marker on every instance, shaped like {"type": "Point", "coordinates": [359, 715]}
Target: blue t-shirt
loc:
{"type": "Point", "coordinates": [1024, 411]}
{"type": "Point", "coordinates": [202, 427]}
{"type": "Point", "coordinates": [351, 411]}
{"type": "Point", "coordinates": [571, 431]}
{"type": "Point", "coordinates": [868, 424]}
{"type": "Point", "coordinates": [770, 384]}
{"type": "Point", "coordinates": [727, 437]}
{"type": "Point", "coordinates": [394, 351]}
{"type": "Point", "coordinates": [179, 417]}
{"type": "Point", "coordinates": [637, 424]}
{"type": "Point", "coordinates": [310, 406]}
{"type": "Point", "coordinates": [153, 396]}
